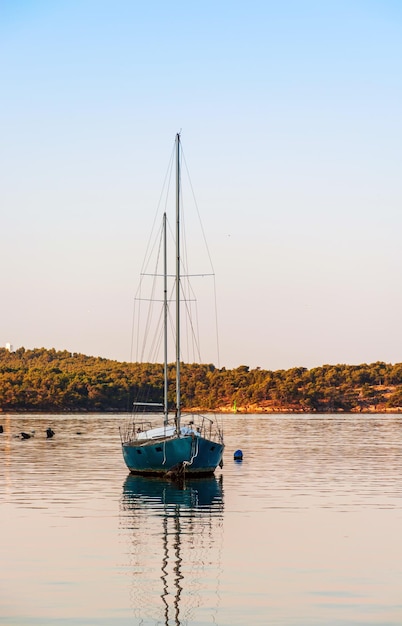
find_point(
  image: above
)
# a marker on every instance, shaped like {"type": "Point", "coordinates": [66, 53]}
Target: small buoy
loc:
{"type": "Point", "coordinates": [238, 455]}
{"type": "Point", "coordinates": [49, 433]}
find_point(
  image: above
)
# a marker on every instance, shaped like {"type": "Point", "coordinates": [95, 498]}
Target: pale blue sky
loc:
{"type": "Point", "coordinates": [291, 123]}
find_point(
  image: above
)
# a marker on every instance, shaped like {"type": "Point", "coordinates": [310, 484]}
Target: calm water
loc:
{"type": "Point", "coordinates": [306, 530]}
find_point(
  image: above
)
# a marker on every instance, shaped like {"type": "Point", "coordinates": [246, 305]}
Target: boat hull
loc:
{"type": "Point", "coordinates": [193, 455]}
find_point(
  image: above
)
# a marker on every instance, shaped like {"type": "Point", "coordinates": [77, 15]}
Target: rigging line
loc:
{"type": "Point", "coordinates": [151, 252]}
{"type": "Point", "coordinates": [193, 328]}
{"type": "Point", "coordinates": [136, 319]}
{"type": "Point", "coordinates": [208, 252]}
{"type": "Point", "coordinates": [186, 288]}
{"type": "Point", "coordinates": [157, 340]}
{"type": "Point", "coordinates": [217, 325]}
{"type": "Point", "coordinates": [190, 326]}
{"type": "Point", "coordinates": [132, 333]}
{"type": "Point", "coordinates": [191, 303]}
{"type": "Point", "coordinates": [197, 333]}
{"type": "Point", "coordinates": [147, 327]}
{"type": "Point", "coordinates": [198, 212]}
{"type": "Point", "coordinates": [164, 192]}
{"type": "Point", "coordinates": [185, 285]}
{"type": "Point", "coordinates": [171, 300]}
{"type": "Point", "coordinates": [137, 297]}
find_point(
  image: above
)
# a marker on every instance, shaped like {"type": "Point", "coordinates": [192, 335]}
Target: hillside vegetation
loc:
{"type": "Point", "coordinates": [54, 381]}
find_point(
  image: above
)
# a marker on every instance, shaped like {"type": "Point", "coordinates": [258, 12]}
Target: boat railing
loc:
{"type": "Point", "coordinates": [204, 426]}
{"type": "Point", "coordinates": [134, 427]}
{"type": "Point", "coordinates": [192, 423]}
{"type": "Point", "coordinates": [145, 430]}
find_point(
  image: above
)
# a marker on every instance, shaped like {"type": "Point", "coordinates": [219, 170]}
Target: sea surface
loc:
{"type": "Point", "coordinates": [306, 530]}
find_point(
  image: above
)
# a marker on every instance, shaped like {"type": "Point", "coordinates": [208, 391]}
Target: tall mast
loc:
{"type": "Point", "coordinates": [178, 283]}
{"type": "Point", "coordinates": [165, 316]}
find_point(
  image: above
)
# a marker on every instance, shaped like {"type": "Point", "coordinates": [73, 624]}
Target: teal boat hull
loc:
{"type": "Point", "coordinates": [193, 455]}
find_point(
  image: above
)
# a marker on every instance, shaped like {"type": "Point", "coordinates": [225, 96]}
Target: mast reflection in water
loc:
{"type": "Point", "coordinates": [175, 537]}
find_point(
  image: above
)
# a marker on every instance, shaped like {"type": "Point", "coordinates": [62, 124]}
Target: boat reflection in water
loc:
{"type": "Point", "coordinates": [175, 535]}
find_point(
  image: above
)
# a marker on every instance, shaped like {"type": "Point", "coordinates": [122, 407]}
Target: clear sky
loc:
{"type": "Point", "coordinates": [291, 120]}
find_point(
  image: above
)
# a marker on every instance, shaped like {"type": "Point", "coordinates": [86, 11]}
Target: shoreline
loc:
{"type": "Point", "coordinates": [222, 411]}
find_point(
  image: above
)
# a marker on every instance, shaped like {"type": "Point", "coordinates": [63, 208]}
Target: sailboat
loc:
{"type": "Point", "coordinates": [192, 446]}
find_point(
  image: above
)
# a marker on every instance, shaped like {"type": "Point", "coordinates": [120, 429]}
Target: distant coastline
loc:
{"type": "Point", "coordinates": [259, 410]}
{"type": "Point", "coordinates": [50, 381]}
{"type": "Point", "coordinates": [224, 410]}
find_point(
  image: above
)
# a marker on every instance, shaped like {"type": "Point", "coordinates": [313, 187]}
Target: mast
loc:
{"type": "Point", "coordinates": [178, 283]}
{"type": "Point", "coordinates": [165, 316]}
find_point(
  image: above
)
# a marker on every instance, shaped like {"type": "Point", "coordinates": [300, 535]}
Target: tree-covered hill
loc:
{"type": "Point", "coordinates": [58, 381]}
